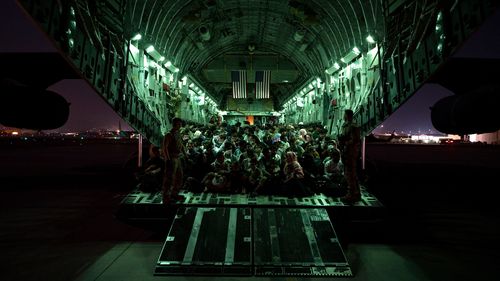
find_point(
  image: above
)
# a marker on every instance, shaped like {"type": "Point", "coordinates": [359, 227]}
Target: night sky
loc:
{"type": "Point", "coordinates": [89, 110]}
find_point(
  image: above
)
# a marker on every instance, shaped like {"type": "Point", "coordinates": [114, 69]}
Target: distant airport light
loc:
{"type": "Point", "coordinates": [168, 64]}
{"type": "Point", "coordinates": [162, 58]}
{"type": "Point", "coordinates": [150, 49]}
{"type": "Point", "coordinates": [370, 39]}
{"type": "Point", "coordinates": [138, 36]}
{"type": "Point", "coordinates": [285, 81]}
{"type": "Point", "coordinates": [356, 50]}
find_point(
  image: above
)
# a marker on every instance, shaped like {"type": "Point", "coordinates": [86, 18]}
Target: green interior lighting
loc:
{"type": "Point", "coordinates": [138, 36]}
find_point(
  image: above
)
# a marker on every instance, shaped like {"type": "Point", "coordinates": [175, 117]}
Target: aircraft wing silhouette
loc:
{"type": "Point", "coordinates": [25, 100]}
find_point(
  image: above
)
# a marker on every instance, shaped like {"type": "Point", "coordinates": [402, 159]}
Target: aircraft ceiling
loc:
{"type": "Point", "coordinates": [294, 39]}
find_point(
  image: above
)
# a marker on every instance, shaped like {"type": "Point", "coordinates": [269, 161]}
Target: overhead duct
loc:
{"type": "Point", "coordinates": [204, 33]}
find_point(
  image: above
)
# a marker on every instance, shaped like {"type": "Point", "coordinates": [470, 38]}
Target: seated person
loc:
{"type": "Point", "coordinates": [294, 175]}
{"type": "Point", "coordinates": [217, 180]}
{"type": "Point", "coordinates": [220, 165]}
{"type": "Point", "coordinates": [150, 176]}
{"type": "Point", "coordinates": [333, 166]}
{"type": "Point", "coordinates": [255, 176]}
{"type": "Point", "coordinates": [236, 178]}
{"type": "Point", "coordinates": [333, 174]}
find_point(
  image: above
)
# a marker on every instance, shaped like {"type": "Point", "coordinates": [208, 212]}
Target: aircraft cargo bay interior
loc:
{"type": "Point", "coordinates": [252, 153]}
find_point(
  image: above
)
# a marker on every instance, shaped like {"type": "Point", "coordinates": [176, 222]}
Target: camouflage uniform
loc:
{"type": "Point", "coordinates": [351, 141]}
{"type": "Point", "coordinates": [173, 177]}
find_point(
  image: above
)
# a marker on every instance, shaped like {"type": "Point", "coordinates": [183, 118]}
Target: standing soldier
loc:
{"type": "Point", "coordinates": [172, 148]}
{"type": "Point", "coordinates": [350, 141]}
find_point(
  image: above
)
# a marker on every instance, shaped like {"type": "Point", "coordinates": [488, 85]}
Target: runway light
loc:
{"type": "Point", "coordinates": [150, 49]}
{"type": "Point", "coordinates": [168, 64]}
{"type": "Point", "coordinates": [370, 39]}
{"type": "Point", "coordinates": [138, 36]}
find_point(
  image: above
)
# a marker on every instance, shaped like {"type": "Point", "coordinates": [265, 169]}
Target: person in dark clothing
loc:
{"type": "Point", "coordinates": [350, 141]}
{"type": "Point", "coordinates": [151, 174]}
{"type": "Point", "coordinates": [294, 176]}
{"type": "Point", "coordinates": [172, 149]}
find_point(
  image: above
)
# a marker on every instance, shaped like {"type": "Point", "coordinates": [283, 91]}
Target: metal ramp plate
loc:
{"type": "Point", "coordinates": [208, 241]}
{"type": "Point", "coordinates": [139, 198]}
{"type": "Point", "coordinates": [296, 242]}
{"type": "Point", "coordinates": [244, 241]}
{"type": "Point", "coordinates": [144, 206]}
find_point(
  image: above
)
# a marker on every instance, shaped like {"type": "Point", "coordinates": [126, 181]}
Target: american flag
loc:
{"type": "Point", "coordinates": [262, 79]}
{"type": "Point", "coordinates": [239, 79]}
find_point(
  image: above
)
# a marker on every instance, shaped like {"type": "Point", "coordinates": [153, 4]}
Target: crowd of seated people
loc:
{"type": "Point", "coordinates": [261, 160]}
